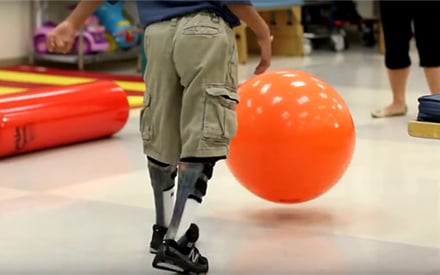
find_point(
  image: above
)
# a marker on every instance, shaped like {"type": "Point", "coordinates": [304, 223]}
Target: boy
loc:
{"type": "Point", "coordinates": [188, 116]}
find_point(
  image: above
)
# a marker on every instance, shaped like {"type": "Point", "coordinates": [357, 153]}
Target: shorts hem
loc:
{"type": "Point", "coordinates": [160, 157]}
{"type": "Point", "coordinates": [207, 153]}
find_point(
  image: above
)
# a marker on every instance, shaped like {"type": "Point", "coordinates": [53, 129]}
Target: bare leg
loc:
{"type": "Point", "coordinates": [398, 79]}
{"type": "Point", "coordinates": [432, 75]}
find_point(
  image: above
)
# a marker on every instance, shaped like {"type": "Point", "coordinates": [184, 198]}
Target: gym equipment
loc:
{"type": "Point", "coordinates": [295, 137]}
{"type": "Point", "coordinates": [54, 116]}
{"type": "Point", "coordinates": [21, 78]}
{"type": "Point", "coordinates": [122, 32]}
{"type": "Point", "coordinates": [423, 129]}
{"type": "Point", "coordinates": [427, 124]}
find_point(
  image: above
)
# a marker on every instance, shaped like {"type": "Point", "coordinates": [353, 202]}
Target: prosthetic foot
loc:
{"type": "Point", "coordinates": [173, 257]}
{"type": "Point", "coordinates": [159, 233]}
{"type": "Point", "coordinates": [183, 255]}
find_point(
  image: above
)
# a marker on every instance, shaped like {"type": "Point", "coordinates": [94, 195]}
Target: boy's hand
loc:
{"type": "Point", "coordinates": [61, 38]}
{"type": "Point", "coordinates": [256, 23]}
{"type": "Point", "coordinates": [265, 44]}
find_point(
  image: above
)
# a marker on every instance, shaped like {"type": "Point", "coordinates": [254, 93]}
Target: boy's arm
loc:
{"type": "Point", "coordinates": [61, 38]}
{"type": "Point", "coordinates": [247, 13]}
{"type": "Point", "coordinates": [82, 11]}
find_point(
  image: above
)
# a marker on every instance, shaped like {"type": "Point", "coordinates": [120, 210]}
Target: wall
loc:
{"type": "Point", "coordinates": [14, 28]}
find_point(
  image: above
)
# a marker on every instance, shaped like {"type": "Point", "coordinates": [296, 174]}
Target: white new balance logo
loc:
{"type": "Point", "coordinates": [193, 255]}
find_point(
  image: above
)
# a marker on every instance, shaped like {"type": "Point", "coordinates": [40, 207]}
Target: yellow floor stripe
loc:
{"type": "Point", "coordinates": [135, 101]}
{"type": "Point", "coordinates": [42, 79]}
{"type": "Point", "coordinates": [131, 85]}
{"type": "Point", "coordinates": [25, 77]}
{"type": "Point", "coordinates": [10, 90]}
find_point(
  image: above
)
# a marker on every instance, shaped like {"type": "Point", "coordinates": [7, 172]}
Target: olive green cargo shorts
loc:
{"type": "Point", "coordinates": [191, 79]}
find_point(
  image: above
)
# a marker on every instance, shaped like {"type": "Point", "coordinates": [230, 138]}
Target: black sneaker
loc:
{"type": "Point", "coordinates": [175, 258]}
{"type": "Point", "coordinates": [159, 233]}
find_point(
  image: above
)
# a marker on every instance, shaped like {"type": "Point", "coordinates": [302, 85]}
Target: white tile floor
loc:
{"type": "Point", "coordinates": [87, 209]}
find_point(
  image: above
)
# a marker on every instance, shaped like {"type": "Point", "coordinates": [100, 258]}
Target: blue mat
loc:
{"type": "Point", "coordinates": [429, 108]}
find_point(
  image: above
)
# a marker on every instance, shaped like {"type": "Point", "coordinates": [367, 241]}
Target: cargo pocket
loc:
{"type": "Point", "coordinates": [219, 117]}
{"type": "Point", "coordinates": [145, 126]}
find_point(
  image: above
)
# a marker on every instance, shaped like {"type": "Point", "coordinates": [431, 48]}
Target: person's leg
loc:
{"type": "Point", "coordinates": [206, 60]}
{"type": "Point", "coordinates": [398, 79]}
{"type": "Point", "coordinates": [426, 22]}
{"type": "Point", "coordinates": [432, 75]}
{"type": "Point", "coordinates": [160, 125]}
{"type": "Point", "coordinates": [396, 23]}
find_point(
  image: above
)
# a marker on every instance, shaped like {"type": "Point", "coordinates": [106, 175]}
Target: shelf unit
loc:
{"type": "Point", "coordinates": [38, 16]}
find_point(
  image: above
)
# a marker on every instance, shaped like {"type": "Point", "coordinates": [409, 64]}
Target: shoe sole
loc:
{"type": "Point", "coordinates": [169, 264]}
{"type": "Point", "coordinates": [168, 267]}
{"type": "Point", "coordinates": [173, 268]}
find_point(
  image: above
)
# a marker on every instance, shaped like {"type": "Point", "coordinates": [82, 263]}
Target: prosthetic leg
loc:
{"type": "Point", "coordinates": [163, 182]}
{"type": "Point", "coordinates": [181, 256]}
{"type": "Point", "coordinates": [162, 178]}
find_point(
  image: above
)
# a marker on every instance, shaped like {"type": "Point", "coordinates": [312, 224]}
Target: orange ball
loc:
{"type": "Point", "coordinates": [295, 137]}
